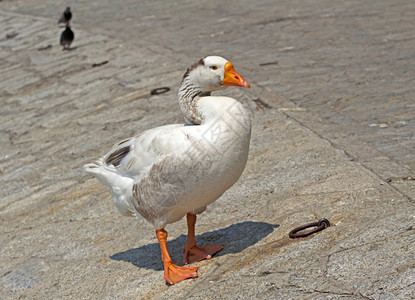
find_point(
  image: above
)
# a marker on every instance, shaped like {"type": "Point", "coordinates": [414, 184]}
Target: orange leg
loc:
{"type": "Point", "coordinates": [172, 273]}
{"type": "Point", "coordinates": [192, 253]}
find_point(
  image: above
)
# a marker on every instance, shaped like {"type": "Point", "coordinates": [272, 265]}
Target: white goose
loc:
{"type": "Point", "coordinates": [175, 170]}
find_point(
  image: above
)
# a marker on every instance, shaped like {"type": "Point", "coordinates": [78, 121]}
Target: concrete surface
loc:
{"type": "Point", "coordinates": [337, 141]}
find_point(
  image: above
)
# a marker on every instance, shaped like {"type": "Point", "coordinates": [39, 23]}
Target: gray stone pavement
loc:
{"type": "Point", "coordinates": [337, 142]}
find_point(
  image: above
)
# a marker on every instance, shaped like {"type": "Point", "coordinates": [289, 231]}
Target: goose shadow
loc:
{"type": "Point", "coordinates": [234, 239]}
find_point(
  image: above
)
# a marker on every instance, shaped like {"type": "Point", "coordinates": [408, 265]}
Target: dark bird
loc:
{"type": "Point", "coordinates": [66, 16]}
{"type": "Point", "coordinates": [67, 37]}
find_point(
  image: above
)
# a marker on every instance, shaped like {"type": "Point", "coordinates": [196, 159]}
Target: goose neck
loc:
{"type": "Point", "coordinates": [188, 97]}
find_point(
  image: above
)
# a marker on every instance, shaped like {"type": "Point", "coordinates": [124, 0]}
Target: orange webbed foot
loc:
{"type": "Point", "coordinates": [174, 274]}
{"type": "Point", "coordinates": [195, 254]}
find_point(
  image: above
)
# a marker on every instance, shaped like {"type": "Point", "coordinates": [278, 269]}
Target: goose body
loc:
{"type": "Point", "coordinates": [175, 170]}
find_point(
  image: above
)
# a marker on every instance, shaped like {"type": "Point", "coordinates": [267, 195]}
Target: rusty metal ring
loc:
{"type": "Point", "coordinates": [160, 90]}
{"type": "Point", "coordinates": [320, 225]}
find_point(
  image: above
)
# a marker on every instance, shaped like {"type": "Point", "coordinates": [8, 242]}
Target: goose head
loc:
{"type": "Point", "coordinates": [212, 73]}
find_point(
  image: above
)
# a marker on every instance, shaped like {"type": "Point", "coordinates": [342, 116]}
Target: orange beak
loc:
{"type": "Point", "coordinates": [232, 78]}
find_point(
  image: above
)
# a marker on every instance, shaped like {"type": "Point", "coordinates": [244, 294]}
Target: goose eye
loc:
{"type": "Point", "coordinates": [214, 67]}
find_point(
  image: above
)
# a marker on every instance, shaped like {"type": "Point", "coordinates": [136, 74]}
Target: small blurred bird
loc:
{"type": "Point", "coordinates": [67, 37]}
{"type": "Point", "coordinates": [66, 16]}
